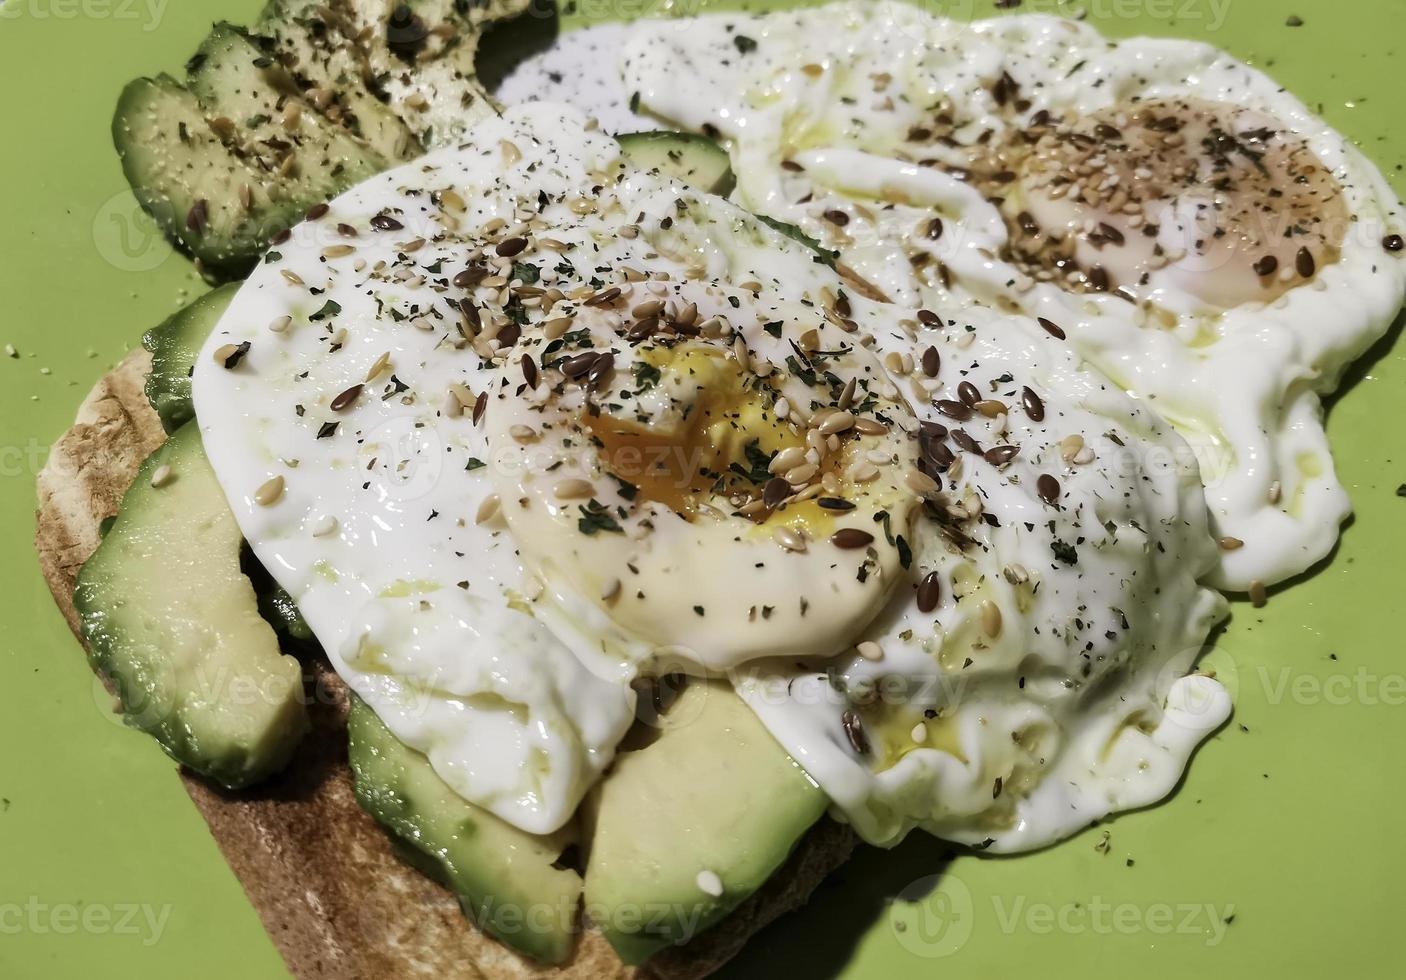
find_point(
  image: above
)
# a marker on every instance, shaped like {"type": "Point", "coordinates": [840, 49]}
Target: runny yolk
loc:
{"type": "Point", "coordinates": [717, 437]}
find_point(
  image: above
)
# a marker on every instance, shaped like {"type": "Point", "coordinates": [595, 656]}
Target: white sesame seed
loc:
{"type": "Point", "coordinates": [836, 423]}
{"type": "Point", "coordinates": [162, 476]}
{"type": "Point", "coordinates": [990, 618]}
{"type": "Point", "coordinates": [489, 509]}
{"type": "Point", "coordinates": [790, 539]}
{"type": "Point", "coordinates": [323, 526]}
{"type": "Point", "coordinates": [801, 475]}
{"type": "Point", "coordinates": [787, 459]}
{"type": "Point", "coordinates": [573, 489]}
{"type": "Point", "coordinates": [870, 650]}
{"type": "Point", "coordinates": [281, 324]}
{"type": "Point", "coordinates": [920, 483]}
{"type": "Point", "coordinates": [268, 494]}
{"type": "Point", "coordinates": [378, 365]}
{"type": "Point", "coordinates": [709, 883]}
{"type": "Point", "coordinates": [919, 733]}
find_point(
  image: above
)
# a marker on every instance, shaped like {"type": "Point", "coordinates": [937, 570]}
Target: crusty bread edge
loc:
{"type": "Point", "coordinates": [324, 879]}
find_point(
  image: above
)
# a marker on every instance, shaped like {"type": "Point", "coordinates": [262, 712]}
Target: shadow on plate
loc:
{"type": "Point", "coordinates": [818, 940]}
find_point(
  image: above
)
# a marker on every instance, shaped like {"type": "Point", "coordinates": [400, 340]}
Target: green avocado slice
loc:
{"type": "Point", "coordinates": [713, 801]}
{"type": "Point", "coordinates": [168, 616]}
{"type": "Point", "coordinates": [511, 883]}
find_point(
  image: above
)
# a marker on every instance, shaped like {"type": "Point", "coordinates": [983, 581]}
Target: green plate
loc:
{"type": "Point", "coordinates": [1282, 855]}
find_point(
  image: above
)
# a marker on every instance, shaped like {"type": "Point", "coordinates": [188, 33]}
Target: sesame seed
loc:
{"type": "Point", "coordinates": [521, 433]}
{"type": "Point", "coordinates": [347, 398]}
{"type": "Point", "coordinates": [786, 459]}
{"type": "Point", "coordinates": [863, 472]}
{"type": "Point", "coordinates": [801, 475]}
{"type": "Point", "coordinates": [850, 538]}
{"type": "Point", "coordinates": [919, 733]}
{"type": "Point", "coordinates": [574, 489]}
{"type": "Point", "coordinates": [229, 355]}
{"type": "Point", "coordinates": [920, 483]}
{"type": "Point", "coordinates": [281, 324]}
{"type": "Point", "coordinates": [709, 883]}
{"type": "Point", "coordinates": [839, 422]}
{"type": "Point", "coordinates": [269, 493]}
{"type": "Point", "coordinates": [929, 592]}
{"type": "Point", "coordinates": [162, 476]}
{"type": "Point", "coordinates": [323, 526]}
{"type": "Point", "coordinates": [1304, 264]}
{"type": "Point", "coordinates": [1033, 405]}
{"type": "Point", "coordinates": [789, 539]}
{"type": "Point", "coordinates": [489, 509]}
{"type": "Point", "coordinates": [1258, 595]}
{"type": "Point", "coordinates": [378, 365]}
{"type": "Point", "coordinates": [990, 618]}
{"type": "Point", "coordinates": [854, 731]}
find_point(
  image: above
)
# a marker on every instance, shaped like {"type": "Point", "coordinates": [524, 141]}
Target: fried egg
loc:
{"type": "Point", "coordinates": [518, 427]}
{"type": "Point", "coordinates": [1185, 224]}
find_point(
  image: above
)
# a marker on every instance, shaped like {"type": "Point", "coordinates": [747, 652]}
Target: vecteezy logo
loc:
{"type": "Point", "coordinates": [933, 917]}
{"type": "Point", "coordinates": [127, 237]}
{"type": "Point", "coordinates": [915, 19]}
{"type": "Point", "coordinates": [407, 457]}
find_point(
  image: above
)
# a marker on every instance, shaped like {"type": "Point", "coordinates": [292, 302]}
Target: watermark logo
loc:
{"type": "Point", "coordinates": [934, 916]}
{"type": "Point", "coordinates": [140, 921]}
{"type": "Point", "coordinates": [937, 915]}
{"type": "Point", "coordinates": [148, 13]}
{"type": "Point", "coordinates": [127, 237]}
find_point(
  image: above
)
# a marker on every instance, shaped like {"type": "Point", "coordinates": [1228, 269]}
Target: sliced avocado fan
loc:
{"type": "Point", "coordinates": [270, 124]}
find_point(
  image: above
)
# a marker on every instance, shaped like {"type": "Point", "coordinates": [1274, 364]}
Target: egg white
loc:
{"type": "Point", "coordinates": [837, 89]}
{"type": "Point", "coordinates": [1053, 661]}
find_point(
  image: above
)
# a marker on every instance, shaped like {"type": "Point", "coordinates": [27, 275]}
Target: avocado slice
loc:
{"type": "Point", "coordinates": [508, 881]}
{"type": "Point", "coordinates": [239, 81]}
{"type": "Point", "coordinates": [210, 200]}
{"type": "Point", "coordinates": [695, 160]}
{"type": "Point", "coordinates": [174, 346]}
{"type": "Point", "coordinates": [169, 617]}
{"type": "Point", "coordinates": [330, 74]}
{"type": "Point", "coordinates": [713, 795]}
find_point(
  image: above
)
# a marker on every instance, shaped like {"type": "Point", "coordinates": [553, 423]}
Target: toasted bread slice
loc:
{"type": "Point", "coordinates": [324, 878]}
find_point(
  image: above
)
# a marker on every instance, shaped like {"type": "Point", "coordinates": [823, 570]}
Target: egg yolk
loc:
{"type": "Point", "coordinates": [715, 437]}
{"type": "Point", "coordinates": [1213, 199]}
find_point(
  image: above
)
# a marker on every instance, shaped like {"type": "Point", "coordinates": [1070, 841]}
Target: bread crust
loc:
{"type": "Point", "coordinates": [323, 877]}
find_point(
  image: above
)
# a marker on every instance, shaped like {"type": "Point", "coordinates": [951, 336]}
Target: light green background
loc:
{"type": "Point", "coordinates": [1293, 814]}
